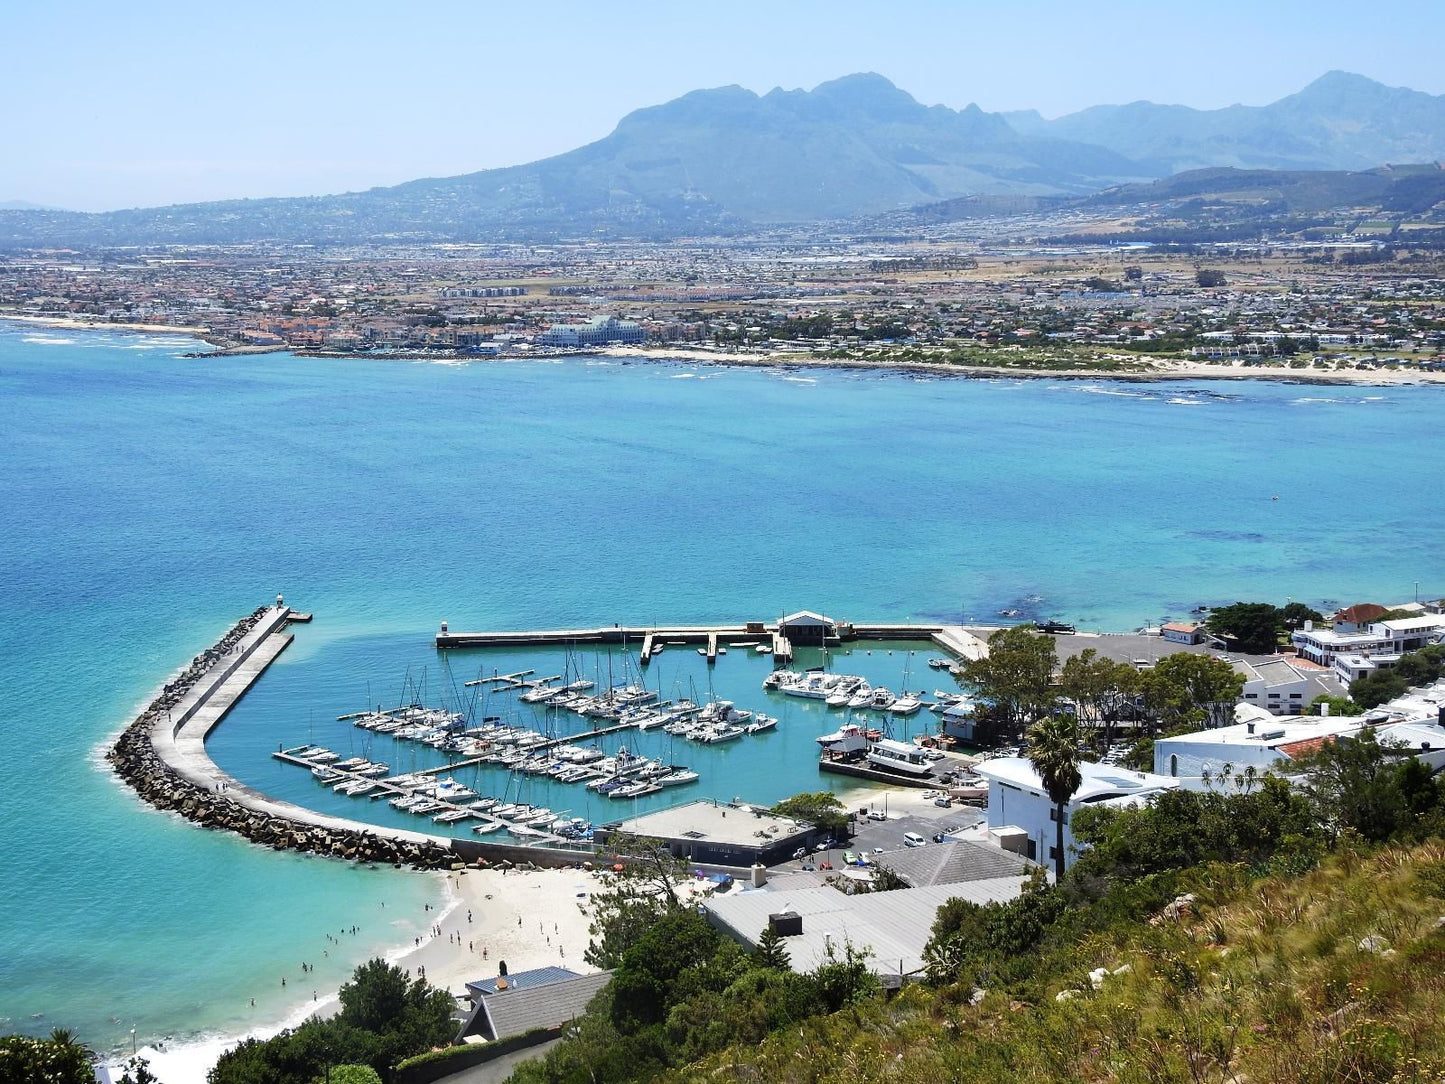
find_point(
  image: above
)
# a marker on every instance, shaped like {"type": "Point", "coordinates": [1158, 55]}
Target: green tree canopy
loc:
{"type": "Point", "coordinates": [820, 809]}
{"type": "Point", "coordinates": [1016, 675]}
{"type": "Point", "coordinates": [1251, 627]}
{"type": "Point", "coordinates": [44, 1061]}
{"type": "Point", "coordinates": [1368, 787]}
{"type": "Point", "coordinates": [631, 898]}
{"type": "Point", "coordinates": [1185, 688]}
{"type": "Point", "coordinates": [1100, 688]}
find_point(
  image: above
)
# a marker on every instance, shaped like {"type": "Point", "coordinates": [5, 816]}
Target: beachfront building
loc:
{"type": "Point", "coordinates": [1375, 645]}
{"type": "Point", "coordinates": [1019, 807]}
{"type": "Point", "coordinates": [598, 331]}
{"type": "Point", "coordinates": [719, 834]}
{"type": "Point", "coordinates": [1182, 632]}
{"type": "Point", "coordinates": [537, 1003]}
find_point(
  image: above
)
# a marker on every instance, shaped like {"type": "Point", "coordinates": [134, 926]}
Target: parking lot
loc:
{"type": "Point", "coordinates": [906, 811]}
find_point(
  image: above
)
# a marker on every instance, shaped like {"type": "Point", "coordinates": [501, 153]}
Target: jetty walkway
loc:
{"type": "Point", "coordinates": [779, 635]}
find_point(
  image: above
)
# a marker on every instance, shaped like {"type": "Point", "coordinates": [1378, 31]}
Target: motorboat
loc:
{"type": "Point", "coordinates": [861, 696]}
{"type": "Point", "coordinates": [850, 738]}
{"type": "Point", "coordinates": [778, 678]}
{"type": "Point", "coordinates": [906, 704]}
{"type": "Point", "coordinates": [716, 734]}
{"type": "Point", "coordinates": [899, 757]}
{"type": "Point", "coordinates": [762, 724]}
{"type": "Point", "coordinates": [881, 700]}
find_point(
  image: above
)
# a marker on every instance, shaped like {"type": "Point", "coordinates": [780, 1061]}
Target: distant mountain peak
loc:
{"type": "Point", "coordinates": [726, 158]}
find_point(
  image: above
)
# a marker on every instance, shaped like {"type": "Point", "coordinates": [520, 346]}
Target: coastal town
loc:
{"type": "Point", "coordinates": [962, 811]}
{"type": "Point", "coordinates": [1019, 296]}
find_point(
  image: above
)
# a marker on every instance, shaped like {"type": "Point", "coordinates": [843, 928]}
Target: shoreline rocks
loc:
{"type": "Point", "coordinates": [136, 761]}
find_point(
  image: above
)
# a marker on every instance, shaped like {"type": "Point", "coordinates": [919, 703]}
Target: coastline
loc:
{"type": "Point", "coordinates": [1154, 370]}
{"type": "Point", "coordinates": [485, 917]}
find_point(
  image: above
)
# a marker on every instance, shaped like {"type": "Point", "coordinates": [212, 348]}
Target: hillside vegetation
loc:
{"type": "Point", "coordinates": [1338, 974]}
{"type": "Point", "coordinates": [1252, 931]}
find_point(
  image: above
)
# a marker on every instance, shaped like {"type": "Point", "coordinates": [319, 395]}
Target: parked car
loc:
{"type": "Point", "coordinates": [913, 839]}
{"type": "Point", "coordinates": [877, 815]}
{"type": "Point", "coordinates": [943, 801]}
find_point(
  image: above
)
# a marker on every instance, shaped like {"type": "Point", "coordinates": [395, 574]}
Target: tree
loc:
{"type": "Point", "coordinates": [1099, 687]}
{"type": "Point", "coordinates": [1187, 688]}
{"type": "Point", "coordinates": [845, 978]}
{"type": "Point", "coordinates": [632, 897]}
{"type": "Point", "coordinates": [650, 977]}
{"type": "Point", "coordinates": [771, 952]}
{"type": "Point", "coordinates": [1016, 674]}
{"type": "Point", "coordinates": [411, 1015]}
{"type": "Point", "coordinates": [1209, 279]}
{"type": "Point", "coordinates": [1372, 690]}
{"type": "Point", "coordinates": [1053, 749]}
{"type": "Point", "coordinates": [1338, 705]}
{"type": "Point", "coordinates": [1295, 614]}
{"type": "Point", "coordinates": [44, 1061]}
{"type": "Point", "coordinates": [1251, 627]}
{"type": "Point", "coordinates": [1368, 787]}
{"type": "Point", "coordinates": [820, 809]}
{"type": "Point", "coordinates": [1181, 828]}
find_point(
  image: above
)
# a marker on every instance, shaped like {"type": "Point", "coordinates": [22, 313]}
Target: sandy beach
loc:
{"type": "Point", "coordinates": [528, 919]}
{"type": "Point", "coordinates": [101, 325]}
{"type": "Point", "coordinates": [1152, 369]}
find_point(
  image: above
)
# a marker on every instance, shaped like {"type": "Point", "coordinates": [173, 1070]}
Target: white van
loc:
{"type": "Point", "coordinates": [913, 839]}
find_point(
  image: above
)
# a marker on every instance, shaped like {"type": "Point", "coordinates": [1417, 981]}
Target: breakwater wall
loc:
{"type": "Point", "coordinates": [162, 756]}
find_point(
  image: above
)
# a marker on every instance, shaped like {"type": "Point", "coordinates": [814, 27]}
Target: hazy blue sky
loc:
{"type": "Point", "coordinates": [129, 104]}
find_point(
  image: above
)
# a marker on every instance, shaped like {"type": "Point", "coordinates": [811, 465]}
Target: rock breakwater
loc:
{"type": "Point", "coordinates": [136, 761]}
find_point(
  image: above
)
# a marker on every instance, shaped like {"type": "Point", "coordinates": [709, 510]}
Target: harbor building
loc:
{"type": "Point", "coordinates": [717, 834]}
{"type": "Point", "coordinates": [809, 629]}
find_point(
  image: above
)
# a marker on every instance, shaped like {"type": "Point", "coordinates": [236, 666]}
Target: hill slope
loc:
{"type": "Point", "coordinates": [710, 160]}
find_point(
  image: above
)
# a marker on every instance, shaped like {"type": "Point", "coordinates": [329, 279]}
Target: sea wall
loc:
{"type": "Point", "coordinates": [170, 770]}
{"type": "Point", "coordinates": [138, 762]}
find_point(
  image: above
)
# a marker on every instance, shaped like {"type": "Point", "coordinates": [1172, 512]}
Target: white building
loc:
{"type": "Point", "coordinates": [1261, 741]}
{"type": "Point", "coordinates": [1381, 642]}
{"type": "Point", "coordinates": [1276, 686]}
{"type": "Point", "coordinates": [595, 332]}
{"type": "Point", "coordinates": [1017, 800]}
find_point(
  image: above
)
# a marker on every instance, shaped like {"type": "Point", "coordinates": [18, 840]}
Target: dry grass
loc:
{"type": "Point", "coordinates": [1337, 975]}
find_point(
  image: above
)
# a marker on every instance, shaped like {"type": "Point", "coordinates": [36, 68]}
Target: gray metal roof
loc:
{"type": "Point", "coordinates": [513, 1011]}
{"type": "Point", "coordinates": [953, 863]}
{"type": "Point", "coordinates": [893, 926]}
{"type": "Point", "coordinates": [524, 980]}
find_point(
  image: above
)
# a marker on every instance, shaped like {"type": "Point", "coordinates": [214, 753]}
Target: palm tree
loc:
{"type": "Point", "coordinates": [1052, 746]}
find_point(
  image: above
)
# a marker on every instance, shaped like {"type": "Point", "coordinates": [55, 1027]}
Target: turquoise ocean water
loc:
{"type": "Point", "coordinates": [149, 500]}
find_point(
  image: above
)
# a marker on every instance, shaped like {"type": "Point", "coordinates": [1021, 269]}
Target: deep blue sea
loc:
{"type": "Point", "coordinates": [149, 500]}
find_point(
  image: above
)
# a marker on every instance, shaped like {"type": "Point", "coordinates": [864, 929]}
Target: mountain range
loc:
{"type": "Point", "coordinates": [727, 159]}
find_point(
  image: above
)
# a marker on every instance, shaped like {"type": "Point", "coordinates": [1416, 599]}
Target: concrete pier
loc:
{"type": "Point", "coordinates": [954, 639]}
